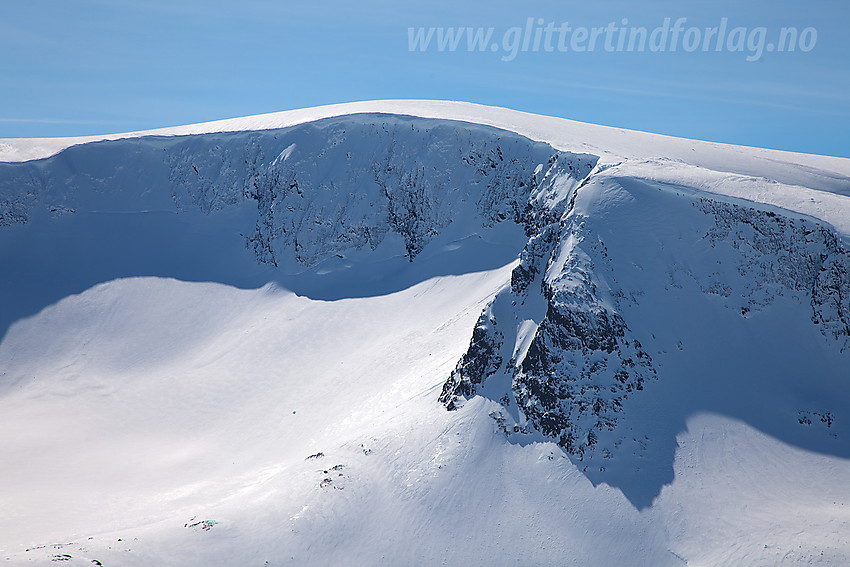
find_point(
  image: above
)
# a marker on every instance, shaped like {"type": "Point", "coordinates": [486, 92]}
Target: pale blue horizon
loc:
{"type": "Point", "coordinates": [95, 66]}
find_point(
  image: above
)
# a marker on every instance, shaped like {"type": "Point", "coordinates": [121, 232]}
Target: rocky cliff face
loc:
{"type": "Point", "coordinates": [576, 340]}
{"type": "Point", "coordinates": [573, 359]}
{"type": "Point", "coordinates": [617, 275]}
{"type": "Point", "coordinates": [324, 189]}
{"type": "Point", "coordinates": [782, 254]}
{"type": "Point", "coordinates": [397, 177]}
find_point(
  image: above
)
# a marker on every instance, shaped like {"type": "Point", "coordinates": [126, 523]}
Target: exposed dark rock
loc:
{"type": "Point", "coordinates": [791, 253]}
{"type": "Point", "coordinates": [481, 360]}
{"type": "Point", "coordinates": [584, 362]}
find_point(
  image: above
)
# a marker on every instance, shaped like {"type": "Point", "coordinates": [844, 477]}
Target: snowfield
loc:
{"type": "Point", "coordinates": [416, 333]}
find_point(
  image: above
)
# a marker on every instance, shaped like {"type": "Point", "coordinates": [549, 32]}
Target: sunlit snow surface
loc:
{"type": "Point", "coordinates": [202, 364]}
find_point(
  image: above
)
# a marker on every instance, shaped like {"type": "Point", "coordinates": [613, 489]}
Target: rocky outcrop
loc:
{"type": "Point", "coordinates": [570, 371]}
{"type": "Point", "coordinates": [782, 253]}
{"type": "Point", "coordinates": [323, 189]}
{"type": "Point", "coordinates": [401, 177]}
{"type": "Point", "coordinates": [582, 361]}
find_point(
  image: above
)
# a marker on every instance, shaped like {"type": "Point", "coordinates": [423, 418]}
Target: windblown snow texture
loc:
{"type": "Point", "coordinates": [649, 324]}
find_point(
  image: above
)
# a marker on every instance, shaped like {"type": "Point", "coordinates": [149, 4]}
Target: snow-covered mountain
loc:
{"type": "Point", "coordinates": [409, 332]}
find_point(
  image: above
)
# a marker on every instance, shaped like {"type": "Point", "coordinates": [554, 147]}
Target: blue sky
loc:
{"type": "Point", "coordinates": [98, 66]}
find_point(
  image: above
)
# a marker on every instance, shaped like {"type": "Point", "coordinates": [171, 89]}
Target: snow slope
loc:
{"type": "Point", "coordinates": [611, 144]}
{"type": "Point", "coordinates": [412, 332]}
